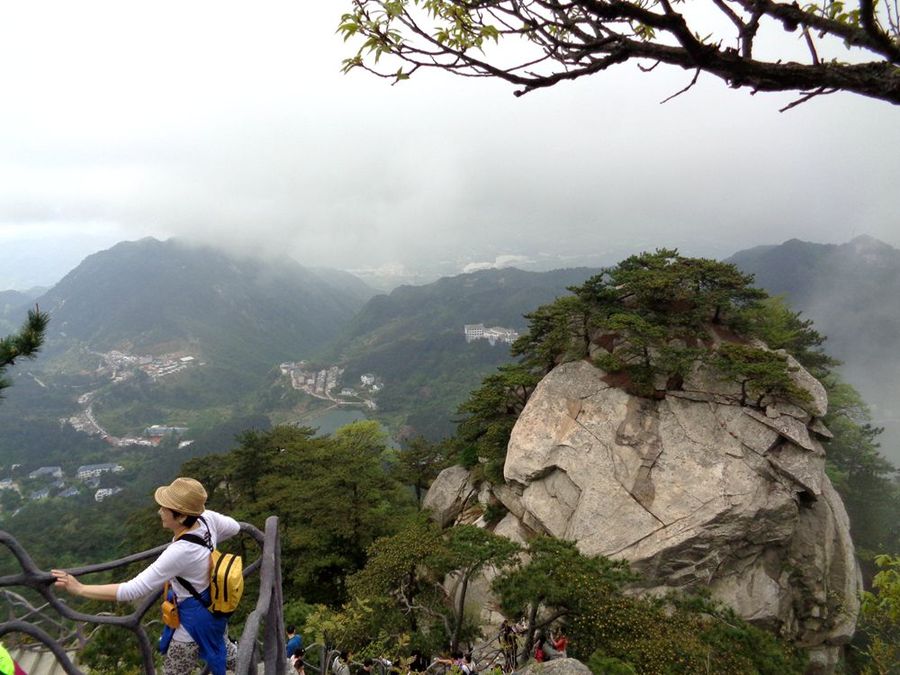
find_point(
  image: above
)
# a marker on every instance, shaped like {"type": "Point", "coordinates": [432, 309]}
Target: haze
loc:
{"type": "Point", "coordinates": [230, 123]}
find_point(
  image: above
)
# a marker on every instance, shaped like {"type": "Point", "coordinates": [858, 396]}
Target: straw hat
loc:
{"type": "Point", "coordinates": [184, 495]}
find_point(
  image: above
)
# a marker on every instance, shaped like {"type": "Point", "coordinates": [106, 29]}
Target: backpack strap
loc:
{"type": "Point", "coordinates": [205, 542]}
{"type": "Point", "coordinates": [197, 539]}
{"type": "Point", "coordinates": [193, 591]}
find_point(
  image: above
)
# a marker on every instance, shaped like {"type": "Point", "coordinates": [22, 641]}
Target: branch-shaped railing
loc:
{"type": "Point", "coordinates": [266, 616]}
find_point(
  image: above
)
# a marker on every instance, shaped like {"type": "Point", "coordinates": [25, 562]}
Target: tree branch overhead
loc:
{"type": "Point", "coordinates": [556, 40]}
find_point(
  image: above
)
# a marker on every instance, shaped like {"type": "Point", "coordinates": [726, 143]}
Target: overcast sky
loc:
{"type": "Point", "coordinates": [230, 122]}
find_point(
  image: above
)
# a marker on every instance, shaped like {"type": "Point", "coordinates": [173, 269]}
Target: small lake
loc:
{"type": "Point", "coordinates": [328, 421]}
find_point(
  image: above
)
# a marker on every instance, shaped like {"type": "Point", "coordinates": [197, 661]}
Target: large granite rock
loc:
{"type": "Point", "coordinates": [449, 494]}
{"type": "Point", "coordinates": [555, 667]}
{"type": "Point", "coordinates": [695, 491]}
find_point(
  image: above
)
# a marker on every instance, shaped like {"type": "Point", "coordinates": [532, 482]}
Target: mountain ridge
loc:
{"type": "Point", "coordinates": [146, 294]}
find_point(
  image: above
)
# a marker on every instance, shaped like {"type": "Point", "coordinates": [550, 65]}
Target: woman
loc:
{"type": "Point", "coordinates": [341, 663]}
{"type": "Point", "coordinates": [200, 634]}
{"type": "Point", "coordinates": [561, 643]}
{"type": "Point", "coordinates": [297, 662]}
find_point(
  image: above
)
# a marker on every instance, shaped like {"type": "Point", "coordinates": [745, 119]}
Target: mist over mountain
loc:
{"type": "Point", "coordinates": [852, 293]}
{"type": "Point", "coordinates": [150, 296]}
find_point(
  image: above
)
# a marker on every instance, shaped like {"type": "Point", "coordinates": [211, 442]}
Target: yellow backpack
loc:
{"type": "Point", "coordinates": [226, 577]}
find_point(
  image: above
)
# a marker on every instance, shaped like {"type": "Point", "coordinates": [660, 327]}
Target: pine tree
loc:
{"type": "Point", "coordinates": [24, 344]}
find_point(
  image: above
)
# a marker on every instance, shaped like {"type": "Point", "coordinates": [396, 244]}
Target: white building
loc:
{"type": "Point", "coordinates": [474, 331]}
{"type": "Point", "coordinates": [103, 493]}
{"type": "Point", "coordinates": [94, 470]}
{"type": "Point", "coordinates": [54, 471]}
{"type": "Point", "coordinates": [494, 334]}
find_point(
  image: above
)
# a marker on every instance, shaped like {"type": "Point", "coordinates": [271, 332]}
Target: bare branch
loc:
{"type": "Point", "coordinates": [808, 96]}
{"type": "Point", "coordinates": [648, 69]}
{"type": "Point", "coordinates": [679, 93]}
{"type": "Point", "coordinates": [811, 45]}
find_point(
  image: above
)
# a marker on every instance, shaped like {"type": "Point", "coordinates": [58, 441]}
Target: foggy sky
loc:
{"type": "Point", "coordinates": [230, 123]}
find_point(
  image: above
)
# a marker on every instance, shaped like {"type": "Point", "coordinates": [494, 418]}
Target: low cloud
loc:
{"type": "Point", "coordinates": [500, 262]}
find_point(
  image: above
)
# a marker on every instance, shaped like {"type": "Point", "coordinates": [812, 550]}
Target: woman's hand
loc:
{"type": "Point", "coordinates": [67, 582]}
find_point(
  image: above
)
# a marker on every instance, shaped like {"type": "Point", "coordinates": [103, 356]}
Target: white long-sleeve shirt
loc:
{"type": "Point", "coordinates": [183, 559]}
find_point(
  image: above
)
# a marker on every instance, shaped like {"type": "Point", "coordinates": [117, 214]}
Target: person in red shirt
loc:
{"type": "Point", "coordinates": [560, 642]}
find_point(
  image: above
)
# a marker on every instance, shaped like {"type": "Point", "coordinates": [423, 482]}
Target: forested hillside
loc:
{"type": "Point", "coordinates": [413, 339]}
{"type": "Point", "coordinates": [244, 314]}
{"type": "Point", "coordinates": [850, 291]}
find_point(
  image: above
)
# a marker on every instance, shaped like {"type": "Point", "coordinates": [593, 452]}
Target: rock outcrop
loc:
{"type": "Point", "coordinates": [555, 667]}
{"type": "Point", "coordinates": [694, 490]}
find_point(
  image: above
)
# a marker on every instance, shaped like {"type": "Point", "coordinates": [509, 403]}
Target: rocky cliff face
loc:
{"type": "Point", "coordinates": [694, 490]}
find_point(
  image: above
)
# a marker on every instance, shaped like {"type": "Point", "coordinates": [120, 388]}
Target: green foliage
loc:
{"type": "Point", "coordinates": [670, 636]}
{"type": "Point", "coordinates": [761, 373]}
{"type": "Point", "coordinates": [400, 595]}
{"type": "Point", "coordinates": [774, 323]}
{"type": "Point", "coordinates": [619, 633]}
{"type": "Point", "coordinates": [400, 578]}
{"type": "Point", "coordinates": [866, 481]}
{"type": "Point", "coordinates": [332, 495]}
{"type": "Point", "coordinates": [558, 332]}
{"type": "Point", "coordinates": [418, 463]}
{"type": "Point", "coordinates": [114, 651]}
{"type": "Point", "coordinates": [880, 620]}
{"type": "Point", "coordinates": [490, 414]}
{"type": "Point", "coordinates": [607, 665]}
{"type": "Point", "coordinates": [557, 578]}
{"type": "Point", "coordinates": [24, 344]}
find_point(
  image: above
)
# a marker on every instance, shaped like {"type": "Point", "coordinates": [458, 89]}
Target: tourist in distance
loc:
{"type": "Point", "coordinates": [341, 663]}
{"type": "Point", "coordinates": [509, 646]}
{"type": "Point", "coordinates": [297, 660]}
{"type": "Point", "coordinates": [560, 642]}
{"type": "Point", "coordinates": [200, 634]}
{"type": "Point", "coordinates": [294, 641]}
{"type": "Point", "coordinates": [419, 663]}
{"type": "Point", "coordinates": [545, 648]}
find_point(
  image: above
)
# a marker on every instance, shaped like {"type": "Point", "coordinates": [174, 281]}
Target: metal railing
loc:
{"type": "Point", "coordinates": [266, 617]}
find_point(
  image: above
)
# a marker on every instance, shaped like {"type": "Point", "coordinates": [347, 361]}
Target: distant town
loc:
{"type": "Point", "coordinates": [324, 382]}
{"type": "Point", "coordinates": [495, 334]}
{"type": "Point", "coordinates": [118, 367]}
{"type": "Point", "coordinates": [49, 481]}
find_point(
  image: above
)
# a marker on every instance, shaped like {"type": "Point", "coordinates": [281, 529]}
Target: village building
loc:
{"type": "Point", "coordinates": [103, 493]}
{"type": "Point", "coordinates": [52, 471]}
{"type": "Point", "coordinates": [94, 470]}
